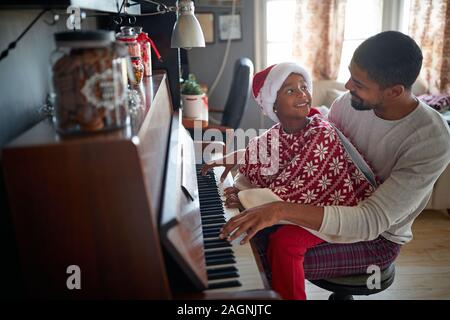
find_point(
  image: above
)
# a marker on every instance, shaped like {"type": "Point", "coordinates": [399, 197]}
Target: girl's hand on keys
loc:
{"type": "Point", "coordinates": [232, 201]}
{"type": "Point", "coordinates": [230, 190]}
{"type": "Point", "coordinates": [218, 163]}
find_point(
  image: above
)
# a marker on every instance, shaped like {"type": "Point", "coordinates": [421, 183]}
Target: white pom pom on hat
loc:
{"type": "Point", "coordinates": [267, 82]}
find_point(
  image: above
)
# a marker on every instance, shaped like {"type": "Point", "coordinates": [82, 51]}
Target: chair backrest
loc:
{"type": "Point", "coordinates": [239, 93]}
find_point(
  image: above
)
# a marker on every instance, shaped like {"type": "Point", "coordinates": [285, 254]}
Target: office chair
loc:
{"type": "Point", "coordinates": [238, 95]}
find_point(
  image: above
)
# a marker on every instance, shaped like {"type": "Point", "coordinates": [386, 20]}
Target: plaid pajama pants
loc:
{"type": "Point", "coordinates": [326, 260]}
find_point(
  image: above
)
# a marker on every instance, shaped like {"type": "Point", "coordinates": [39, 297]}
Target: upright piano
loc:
{"type": "Point", "coordinates": [126, 212]}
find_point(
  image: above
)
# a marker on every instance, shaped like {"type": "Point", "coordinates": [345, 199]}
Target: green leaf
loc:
{"type": "Point", "coordinates": [191, 86]}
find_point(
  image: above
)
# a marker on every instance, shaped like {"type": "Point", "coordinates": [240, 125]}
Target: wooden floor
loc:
{"type": "Point", "coordinates": [423, 267]}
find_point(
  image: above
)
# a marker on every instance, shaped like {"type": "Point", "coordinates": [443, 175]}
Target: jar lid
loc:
{"type": "Point", "coordinates": [138, 29]}
{"type": "Point", "coordinates": [126, 33]}
{"type": "Point", "coordinates": [97, 38]}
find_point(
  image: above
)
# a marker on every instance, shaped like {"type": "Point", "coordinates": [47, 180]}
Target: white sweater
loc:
{"type": "Point", "coordinates": [407, 154]}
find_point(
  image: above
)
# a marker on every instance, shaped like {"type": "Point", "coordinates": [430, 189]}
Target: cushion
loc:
{"type": "Point", "coordinates": [440, 102]}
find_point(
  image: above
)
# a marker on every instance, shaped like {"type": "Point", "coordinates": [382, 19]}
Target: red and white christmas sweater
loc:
{"type": "Point", "coordinates": [309, 167]}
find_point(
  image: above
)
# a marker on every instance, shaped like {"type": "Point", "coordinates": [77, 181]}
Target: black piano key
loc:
{"type": "Point", "coordinates": [217, 245]}
{"type": "Point", "coordinates": [207, 224]}
{"type": "Point", "coordinates": [214, 205]}
{"type": "Point", "coordinates": [211, 241]}
{"type": "Point", "coordinates": [213, 217]}
{"type": "Point", "coordinates": [213, 192]}
{"type": "Point", "coordinates": [214, 234]}
{"type": "Point", "coordinates": [225, 284]}
{"type": "Point", "coordinates": [219, 261]}
{"type": "Point", "coordinates": [208, 208]}
{"type": "Point", "coordinates": [208, 189]}
{"type": "Point", "coordinates": [207, 186]}
{"type": "Point", "coordinates": [215, 220]}
{"type": "Point", "coordinates": [213, 223]}
{"type": "Point", "coordinates": [224, 275]}
{"type": "Point", "coordinates": [218, 252]}
{"type": "Point", "coordinates": [218, 215]}
{"type": "Point", "coordinates": [219, 256]}
{"type": "Point", "coordinates": [222, 270]}
{"type": "Point", "coordinates": [210, 200]}
{"type": "Point", "coordinates": [212, 228]}
{"type": "Point", "coordinates": [211, 234]}
{"type": "Point", "coordinates": [211, 211]}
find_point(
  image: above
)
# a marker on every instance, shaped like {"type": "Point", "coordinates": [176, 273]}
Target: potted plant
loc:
{"type": "Point", "coordinates": [192, 97]}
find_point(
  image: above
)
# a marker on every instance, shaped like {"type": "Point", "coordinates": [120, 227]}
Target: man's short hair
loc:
{"type": "Point", "coordinates": [390, 58]}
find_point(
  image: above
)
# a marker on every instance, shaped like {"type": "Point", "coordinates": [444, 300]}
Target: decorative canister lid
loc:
{"type": "Point", "coordinates": [126, 32]}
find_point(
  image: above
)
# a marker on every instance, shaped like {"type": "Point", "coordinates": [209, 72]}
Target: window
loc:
{"type": "Point", "coordinates": [280, 30]}
{"type": "Point", "coordinates": [363, 18]}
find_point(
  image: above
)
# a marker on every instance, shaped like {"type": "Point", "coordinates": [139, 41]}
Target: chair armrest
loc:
{"type": "Point", "coordinates": [215, 110]}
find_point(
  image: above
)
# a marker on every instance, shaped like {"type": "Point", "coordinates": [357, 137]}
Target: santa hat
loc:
{"type": "Point", "coordinates": [266, 84]}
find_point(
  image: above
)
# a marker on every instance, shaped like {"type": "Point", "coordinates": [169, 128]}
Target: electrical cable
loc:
{"type": "Point", "coordinates": [13, 44]}
{"type": "Point", "coordinates": [225, 57]}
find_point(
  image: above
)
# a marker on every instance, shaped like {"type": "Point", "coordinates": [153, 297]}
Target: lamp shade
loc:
{"type": "Point", "coordinates": [187, 32]}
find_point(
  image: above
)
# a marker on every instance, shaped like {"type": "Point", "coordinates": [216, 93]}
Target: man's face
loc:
{"type": "Point", "coordinates": [366, 94]}
{"type": "Point", "coordinates": [293, 98]}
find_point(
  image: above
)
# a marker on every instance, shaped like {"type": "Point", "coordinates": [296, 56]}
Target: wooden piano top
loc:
{"type": "Point", "coordinates": [44, 132]}
{"type": "Point", "coordinates": [92, 201]}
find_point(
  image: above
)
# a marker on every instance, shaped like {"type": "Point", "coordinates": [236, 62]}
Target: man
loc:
{"type": "Point", "coordinates": [406, 142]}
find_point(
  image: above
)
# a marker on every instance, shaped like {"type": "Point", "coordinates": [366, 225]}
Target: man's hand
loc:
{"type": "Point", "coordinates": [251, 221]}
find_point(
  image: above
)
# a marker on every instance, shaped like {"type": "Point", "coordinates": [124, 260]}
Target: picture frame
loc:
{"type": "Point", "coordinates": [206, 20]}
{"type": "Point", "coordinates": [230, 26]}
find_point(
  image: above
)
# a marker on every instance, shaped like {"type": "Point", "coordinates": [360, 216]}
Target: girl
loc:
{"type": "Point", "coordinates": [302, 158]}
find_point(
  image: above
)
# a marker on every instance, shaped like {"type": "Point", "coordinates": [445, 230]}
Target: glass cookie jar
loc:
{"type": "Point", "coordinates": [89, 82]}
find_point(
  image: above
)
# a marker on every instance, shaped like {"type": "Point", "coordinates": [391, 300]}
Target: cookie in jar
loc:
{"type": "Point", "coordinates": [89, 80]}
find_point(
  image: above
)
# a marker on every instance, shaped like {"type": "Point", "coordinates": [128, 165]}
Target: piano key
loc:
{"type": "Point", "coordinates": [211, 235]}
{"type": "Point", "coordinates": [219, 261]}
{"type": "Point", "coordinates": [211, 208]}
{"type": "Point", "coordinates": [217, 245]}
{"type": "Point", "coordinates": [212, 228]}
{"type": "Point", "coordinates": [212, 221]}
{"type": "Point", "coordinates": [223, 275]}
{"type": "Point", "coordinates": [226, 284]}
{"type": "Point", "coordinates": [212, 241]}
{"type": "Point", "coordinates": [214, 216]}
{"type": "Point", "coordinates": [221, 251]}
{"type": "Point", "coordinates": [219, 255]}
{"type": "Point", "coordinates": [216, 270]}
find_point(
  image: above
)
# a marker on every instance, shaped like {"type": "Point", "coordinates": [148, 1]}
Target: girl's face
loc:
{"type": "Point", "coordinates": [293, 99]}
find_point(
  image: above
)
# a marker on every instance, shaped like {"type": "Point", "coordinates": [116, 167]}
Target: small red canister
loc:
{"type": "Point", "coordinates": [146, 52]}
{"type": "Point", "coordinates": [129, 37]}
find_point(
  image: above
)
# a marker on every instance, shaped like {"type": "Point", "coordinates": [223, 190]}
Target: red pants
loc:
{"type": "Point", "coordinates": [286, 253]}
